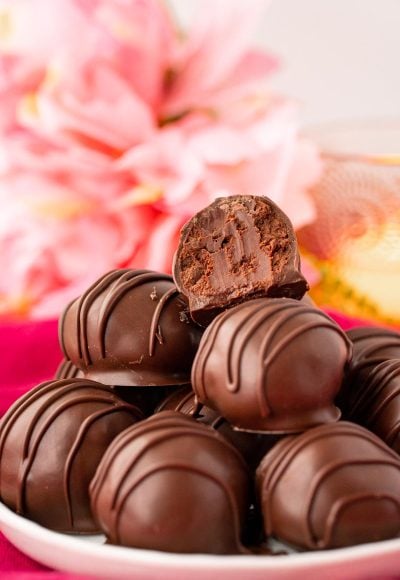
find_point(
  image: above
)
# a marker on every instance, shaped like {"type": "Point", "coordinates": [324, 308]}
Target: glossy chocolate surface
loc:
{"type": "Point", "coordinates": [67, 370]}
{"type": "Point", "coordinates": [332, 486]}
{"type": "Point", "coordinates": [374, 342]}
{"type": "Point", "coordinates": [172, 484]}
{"type": "Point", "coordinates": [272, 365]}
{"type": "Point", "coordinates": [51, 442]}
{"type": "Point", "coordinates": [252, 446]}
{"type": "Point", "coordinates": [237, 248]}
{"type": "Point", "coordinates": [371, 397]}
{"type": "Point", "coordinates": [131, 328]}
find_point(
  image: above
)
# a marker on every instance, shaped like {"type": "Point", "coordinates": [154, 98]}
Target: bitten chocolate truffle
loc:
{"type": "Point", "coordinates": [374, 342]}
{"type": "Point", "coordinates": [172, 484]}
{"type": "Point", "coordinates": [330, 487]}
{"type": "Point", "coordinates": [272, 365]}
{"type": "Point", "coordinates": [51, 442]}
{"type": "Point", "coordinates": [252, 446]}
{"type": "Point", "coordinates": [237, 248]}
{"type": "Point", "coordinates": [371, 397]}
{"type": "Point", "coordinates": [131, 328]}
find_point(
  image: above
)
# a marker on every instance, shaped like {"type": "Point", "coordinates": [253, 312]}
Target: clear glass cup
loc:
{"type": "Point", "coordinates": [355, 239]}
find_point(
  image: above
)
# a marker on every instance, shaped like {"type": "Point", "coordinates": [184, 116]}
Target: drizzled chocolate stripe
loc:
{"type": "Point", "coordinates": [276, 464]}
{"type": "Point", "coordinates": [114, 286]}
{"type": "Point", "coordinates": [55, 398]}
{"type": "Point", "coordinates": [277, 311]}
{"type": "Point", "coordinates": [372, 390]}
{"type": "Point", "coordinates": [372, 342]}
{"type": "Point", "coordinates": [160, 429]}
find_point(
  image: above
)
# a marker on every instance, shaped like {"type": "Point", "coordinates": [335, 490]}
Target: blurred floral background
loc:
{"type": "Point", "coordinates": [117, 125]}
{"type": "Point", "coordinates": [118, 122]}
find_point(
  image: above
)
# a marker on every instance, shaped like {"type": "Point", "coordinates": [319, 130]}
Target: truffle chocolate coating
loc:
{"type": "Point", "coordinates": [172, 484]}
{"type": "Point", "coordinates": [374, 342]}
{"type": "Point", "coordinates": [67, 370]}
{"type": "Point", "coordinates": [51, 442]}
{"type": "Point", "coordinates": [237, 248]}
{"type": "Point", "coordinates": [371, 397]}
{"type": "Point", "coordinates": [272, 365]}
{"type": "Point", "coordinates": [252, 446]}
{"type": "Point", "coordinates": [146, 398]}
{"type": "Point", "coordinates": [131, 328]}
{"type": "Point", "coordinates": [330, 487]}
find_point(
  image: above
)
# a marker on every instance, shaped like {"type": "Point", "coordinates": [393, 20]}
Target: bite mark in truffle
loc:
{"type": "Point", "coordinates": [238, 247]}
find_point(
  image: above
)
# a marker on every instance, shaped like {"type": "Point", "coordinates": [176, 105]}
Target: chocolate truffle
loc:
{"type": "Point", "coordinates": [332, 486]}
{"type": "Point", "coordinates": [252, 446]}
{"type": "Point", "coordinates": [67, 370]}
{"type": "Point", "coordinates": [272, 365]}
{"type": "Point", "coordinates": [374, 342]}
{"type": "Point", "coordinates": [237, 248]}
{"type": "Point", "coordinates": [146, 398]}
{"type": "Point", "coordinates": [371, 397]}
{"type": "Point", "coordinates": [51, 442]}
{"type": "Point", "coordinates": [131, 328]}
{"type": "Point", "coordinates": [172, 484]}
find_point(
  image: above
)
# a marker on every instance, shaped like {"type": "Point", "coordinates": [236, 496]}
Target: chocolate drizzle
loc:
{"type": "Point", "coordinates": [55, 399]}
{"type": "Point", "coordinates": [116, 284]}
{"type": "Point", "coordinates": [251, 446]}
{"type": "Point", "coordinates": [354, 448]}
{"type": "Point", "coordinates": [104, 332]}
{"type": "Point", "coordinates": [155, 329]}
{"type": "Point", "coordinates": [67, 370]}
{"type": "Point", "coordinates": [374, 342]}
{"type": "Point", "coordinates": [270, 316]}
{"type": "Point", "coordinates": [371, 397]}
{"type": "Point", "coordinates": [167, 429]}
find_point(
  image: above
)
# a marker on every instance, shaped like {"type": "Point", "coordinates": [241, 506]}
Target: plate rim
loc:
{"type": "Point", "coordinates": [167, 560]}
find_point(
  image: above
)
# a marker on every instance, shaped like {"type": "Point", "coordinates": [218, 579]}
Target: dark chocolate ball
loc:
{"type": "Point", "coordinates": [272, 365]}
{"type": "Point", "coordinates": [172, 484]}
{"type": "Point", "coordinates": [239, 247]}
{"type": "Point", "coordinates": [51, 442]}
{"type": "Point", "coordinates": [332, 486]}
{"type": "Point", "coordinates": [252, 446]}
{"type": "Point", "coordinates": [131, 328]}
{"type": "Point", "coordinates": [374, 342]}
{"type": "Point", "coordinates": [67, 370]}
{"type": "Point", "coordinates": [371, 397]}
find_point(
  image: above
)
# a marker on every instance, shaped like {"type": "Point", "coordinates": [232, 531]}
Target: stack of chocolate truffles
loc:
{"type": "Point", "coordinates": [215, 411]}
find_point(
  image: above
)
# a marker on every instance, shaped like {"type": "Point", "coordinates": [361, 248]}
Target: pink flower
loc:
{"type": "Point", "coordinates": [55, 244]}
{"type": "Point", "coordinates": [118, 127]}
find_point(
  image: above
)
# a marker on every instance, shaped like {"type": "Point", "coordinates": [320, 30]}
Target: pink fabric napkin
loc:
{"type": "Point", "coordinates": [30, 354]}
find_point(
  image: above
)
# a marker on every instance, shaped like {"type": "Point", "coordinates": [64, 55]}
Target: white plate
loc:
{"type": "Point", "coordinates": [87, 555]}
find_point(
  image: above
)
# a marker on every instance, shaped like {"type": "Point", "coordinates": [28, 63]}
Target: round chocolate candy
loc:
{"type": "Point", "coordinates": [332, 486]}
{"type": "Point", "coordinates": [272, 365]}
{"type": "Point", "coordinates": [374, 342]}
{"type": "Point", "coordinates": [51, 442]}
{"type": "Point", "coordinates": [67, 370]}
{"type": "Point", "coordinates": [252, 446]}
{"type": "Point", "coordinates": [131, 328]}
{"type": "Point", "coordinates": [371, 397]}
{"type": "Point", "coordinates": [172, 484]}
{"type": "Point", "coordinates": [239, 247]}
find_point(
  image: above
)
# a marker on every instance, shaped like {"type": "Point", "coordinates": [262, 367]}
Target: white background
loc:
{"type": "Point", "coordinates": [341, 58]}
